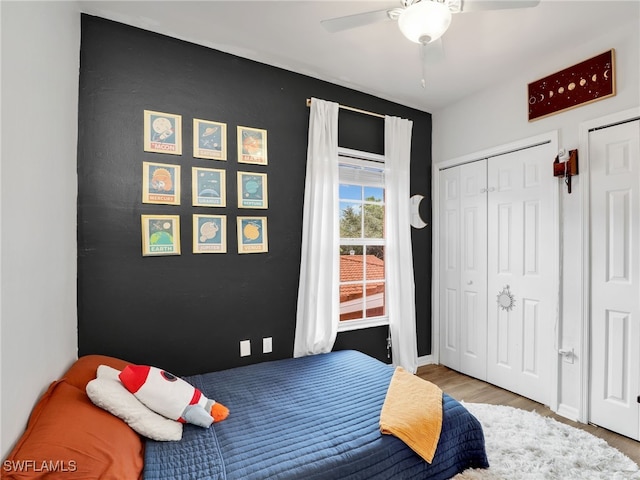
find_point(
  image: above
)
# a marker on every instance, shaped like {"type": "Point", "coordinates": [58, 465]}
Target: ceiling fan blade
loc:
{"type": "Point", "coordinates": [481, 5]}
{"type": "Point", "coordinates": [339, 24]}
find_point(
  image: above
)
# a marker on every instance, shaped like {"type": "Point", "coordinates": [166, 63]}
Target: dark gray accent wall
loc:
{"type": "Point", "coordinates": [188, 313]}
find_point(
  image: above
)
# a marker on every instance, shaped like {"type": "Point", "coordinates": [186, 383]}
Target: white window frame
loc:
{"type": "Point", "coordinates": [361, 158]}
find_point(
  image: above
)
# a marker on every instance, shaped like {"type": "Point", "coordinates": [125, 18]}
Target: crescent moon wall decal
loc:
{"type": "Point", "coordinates": [416, 219]}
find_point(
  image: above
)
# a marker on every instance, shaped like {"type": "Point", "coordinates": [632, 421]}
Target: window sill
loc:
{"type": "Point", "coordinates": [348, 325]}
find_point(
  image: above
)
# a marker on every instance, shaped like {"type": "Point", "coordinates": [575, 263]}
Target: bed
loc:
{"type": "Point", "coordinates": [309, 418]}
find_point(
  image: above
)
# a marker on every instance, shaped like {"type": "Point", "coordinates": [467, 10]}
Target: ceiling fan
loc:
{"type": "Point", "coordinates": [423, 21]}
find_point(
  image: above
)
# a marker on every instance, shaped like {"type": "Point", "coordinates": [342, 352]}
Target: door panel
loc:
{"type": "Point", "coordinates": [463, 292]}
{"type": "Point", "coordinates": [451, 321]}
{"type": "Point", "coordinates": [449, 267]}
{"type": "Point", "coordinates": [530, 331]}
{"type": "Point", "coordinates": [614, 155]}
{"type": "Point", "coordinates": [473, 273]}
{"type": "Point", "coordinates": [531, 245]}
{"type": "Point", "coordinates": [521, 240]}
{"type": "Point", "coordinates": [504, 334]}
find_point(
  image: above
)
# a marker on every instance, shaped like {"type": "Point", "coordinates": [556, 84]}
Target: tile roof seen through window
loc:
{"type": "Point", "coordinates": [351, 267]}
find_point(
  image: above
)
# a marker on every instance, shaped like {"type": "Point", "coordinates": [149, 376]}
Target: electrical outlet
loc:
{"type": "Point", "coordinates": [245, 348]}
{"type": "Point", "coordinates": [267, 345]}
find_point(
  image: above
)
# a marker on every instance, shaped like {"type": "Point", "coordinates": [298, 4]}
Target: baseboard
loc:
{"type": "Point", "coordinates": [568, 412]}
{"type": "Point", "coordinates": [426, 360]}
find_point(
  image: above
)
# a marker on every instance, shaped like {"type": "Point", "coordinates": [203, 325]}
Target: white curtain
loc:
{"type": "Point", "coordinates": [399, 258]}
{"type": "Point", "coordinates": [318, 309]}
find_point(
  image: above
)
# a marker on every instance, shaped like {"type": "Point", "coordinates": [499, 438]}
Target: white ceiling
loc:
{"type": "Point", "coordinates": [480, 48]}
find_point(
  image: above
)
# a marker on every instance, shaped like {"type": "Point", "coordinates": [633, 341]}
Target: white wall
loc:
{"type": "Point", "coordinates": [498, 116]}
{"type": "Point", "coordinates": [38, 318]}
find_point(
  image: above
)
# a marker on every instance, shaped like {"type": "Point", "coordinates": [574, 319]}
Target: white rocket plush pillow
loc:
{"type": "Point", "coordinates": [108, 393]}
{"type": "Point", "coordinates": [171, 396]}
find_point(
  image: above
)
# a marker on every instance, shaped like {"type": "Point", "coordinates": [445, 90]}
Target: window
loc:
{"type": "Point", "coordinates": [362, 241]}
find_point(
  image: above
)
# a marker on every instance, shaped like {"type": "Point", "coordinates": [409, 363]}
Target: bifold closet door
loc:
{"type": "Point", "coordinates": [614, 155]}
{"type": "Point", "coordinates": [521, 243]}
{"type": "Point", "coordinates": [463, 247]}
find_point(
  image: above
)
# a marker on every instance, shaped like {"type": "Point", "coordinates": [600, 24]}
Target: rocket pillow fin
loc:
{"type": "Point", "coordinates": [170, 396]}
{"type": "Point", "coordinates": [219, 412]}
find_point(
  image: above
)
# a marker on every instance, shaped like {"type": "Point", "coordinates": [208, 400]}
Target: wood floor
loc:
{"type": "Point", "coordinates": [468, 389]}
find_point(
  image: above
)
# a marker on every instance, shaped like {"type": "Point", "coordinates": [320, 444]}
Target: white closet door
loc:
{"type": "Point", "coordinates": [614, 155]}
{"type": "Point", "coordinates": [449, 295]}
{"type": "Point", "coordinates": [473, 269]}
{"type": "Point", "coordinates": [522, 238]}
{"type": "Point", "coordinates": [463, 247]}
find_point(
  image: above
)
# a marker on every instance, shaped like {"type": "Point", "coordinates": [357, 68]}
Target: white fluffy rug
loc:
{"type": "Point", "coordinates": [524, 445]}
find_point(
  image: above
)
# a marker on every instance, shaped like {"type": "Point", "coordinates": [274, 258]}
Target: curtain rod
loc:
{"type": "Point", "coordinates": [353, 109]}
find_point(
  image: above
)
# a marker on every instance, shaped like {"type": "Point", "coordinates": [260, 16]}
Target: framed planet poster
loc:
{"type": "Point", "coordinates": [252, 190]}
{"type": "Point", "coordinates": [252, 145]}
{"type": "Point", "coordinates": [209, 233]}
{"type": "Point", "coordinates": [209, 139]}
{"type": "Point", "coordinates": [162, 132]}
{"type": "Point", "coordinates": [161, 183]}
{"type": "Point", "coordinates": [160, 235]}
{"type": "Point", "coordinates": [252, 235]}
{"type": "Point", "coordinates": [208, 187]}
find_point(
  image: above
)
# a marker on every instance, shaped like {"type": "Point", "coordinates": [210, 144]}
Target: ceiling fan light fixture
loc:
{"type": "Point", "coordinates": [424, 21]}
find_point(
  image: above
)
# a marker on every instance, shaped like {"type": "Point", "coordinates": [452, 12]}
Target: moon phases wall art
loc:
{"type": "Point", "coordinates": [162, 132]}
{"type": "Point", "coordinates": [583, 83]}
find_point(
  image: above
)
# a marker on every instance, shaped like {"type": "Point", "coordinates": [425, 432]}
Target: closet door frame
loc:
{"type": "Point", "coordinates": [545, 138]}
{"type": "Point", "coordinates": [585, 171]}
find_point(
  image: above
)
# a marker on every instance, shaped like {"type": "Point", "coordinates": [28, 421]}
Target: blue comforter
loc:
{"type": "Point", "coordinates": [309, 418]}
